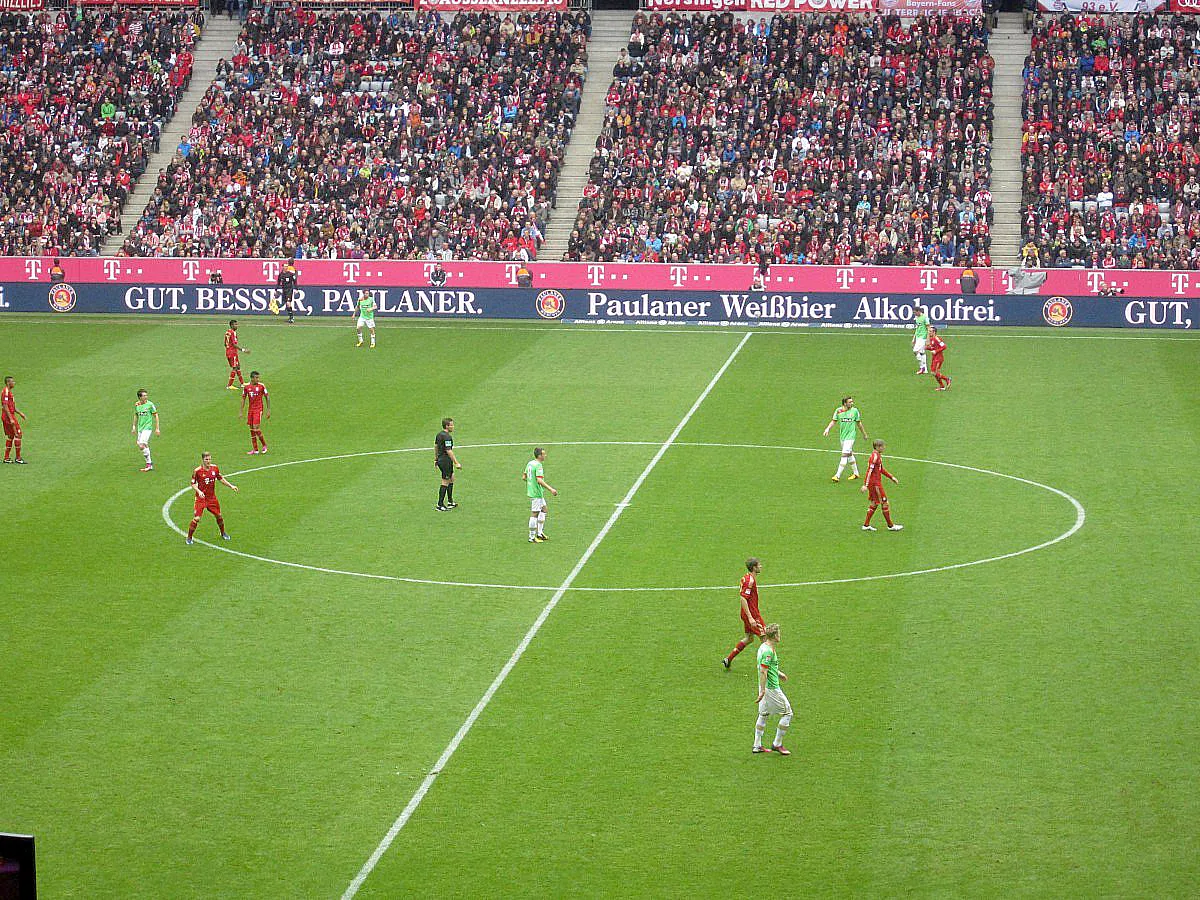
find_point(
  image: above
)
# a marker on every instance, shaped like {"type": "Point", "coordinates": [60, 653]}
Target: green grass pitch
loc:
{"type": "Point", "coordinates": [182, 722]}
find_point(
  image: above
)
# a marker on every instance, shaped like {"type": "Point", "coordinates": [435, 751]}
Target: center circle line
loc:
{"type": "Point", "coordinates": [1080, 518]}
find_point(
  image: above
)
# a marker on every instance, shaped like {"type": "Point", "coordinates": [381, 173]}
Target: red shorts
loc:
{"type": "Point", "coordinates": [234, 362]}
{"type": "Point", "coordinates": [209, 503]}
{"type": "Point", "coordinates": [751, 626]}
{"type": "Point", "coordinates": [936, 362]}
{"type": "Point", "coordinates": [876, 493]}
{"type": "Point", "coordinates": [11, 428]}
{"type": "Point", "coordinates": [254, 418]}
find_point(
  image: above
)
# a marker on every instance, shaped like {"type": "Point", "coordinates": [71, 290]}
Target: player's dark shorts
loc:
{"type": "Point", "coordinates": [446, 465]}
{"type": "Point", "coordinates": [287, 296]}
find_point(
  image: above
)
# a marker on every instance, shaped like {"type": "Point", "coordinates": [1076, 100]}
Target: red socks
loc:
{"type": "Point", "coordinates": [887, 516]}
{"type": "Point", "coordinates": [741, 645]}
{"type": "Point", "coordinates": [192, 528]}
{"type": "Point", "coordinates": [870, 512]}
{"type": "Point", "coordinates": [942, 380]}
{"type": "Point", "coordinates": [253, 439]}
{"type": "Point", "coordinates": [8, 448]}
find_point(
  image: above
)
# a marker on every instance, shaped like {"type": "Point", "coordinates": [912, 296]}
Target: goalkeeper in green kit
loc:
{"type": "Point", "coordinates": [364, 308]}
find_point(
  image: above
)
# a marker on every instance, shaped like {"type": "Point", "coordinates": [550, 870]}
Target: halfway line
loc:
{"type": "Point", "coordinates": [466, 726]}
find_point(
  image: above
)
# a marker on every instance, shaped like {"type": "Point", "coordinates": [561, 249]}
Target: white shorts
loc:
{"type": "Point", "coordinates": [848, 447]}
{"type": "Point", "coordinates": [537, 504]}
{"type": "Point", "coordinates": [774, 703]}
{"type": "Point", "coordinates": [918, 344]}
{"type": "Point", "coordinates": [143, 437]}
{"type": "Point", "coordinates": [370, 323]}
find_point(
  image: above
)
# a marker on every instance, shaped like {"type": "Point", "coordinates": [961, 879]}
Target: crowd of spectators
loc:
{"type": "Point", "coordinates": [83, 99]}
{"type": "Point", "coordinates": [799, 139]}
{"type": "Point", "coordinates": [401, 135]}
{"type": "Point", "coordinates": [1111, 143]}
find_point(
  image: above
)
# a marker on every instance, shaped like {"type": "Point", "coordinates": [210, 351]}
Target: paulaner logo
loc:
{"type": "Point", "coordinates": [1057, 311]}
{"type": "Point", "coordinates": [550, 304]}
{"type": "Point", "coordinates": [62, 297]}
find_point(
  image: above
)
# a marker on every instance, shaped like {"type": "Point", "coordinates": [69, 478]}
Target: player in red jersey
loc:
{"type": "Point", "coordinates": [752, 623]}
{"type": "Point", "coordinates": [12, 428]}
{"type": "Point", "coordinates": [256, 393]}
{"type": "Point", "coordinates": [232, 349]}
{"type": "Point", "coordinates": [936, 348]}
{"type": "Point", "coordinates": [204, 483]}
{"type": "Point", "coordinates": [874, 489]}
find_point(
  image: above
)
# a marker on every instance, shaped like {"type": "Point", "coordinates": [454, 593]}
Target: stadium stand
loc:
{"type": "Point", "coordinates": [83, 100]}
{"type": "Point", "coordinates": [398, 135]}
{"type": "Point", "coordinates": [1110, 142]}
{"type": "Point", "coordinates": [802, 139]}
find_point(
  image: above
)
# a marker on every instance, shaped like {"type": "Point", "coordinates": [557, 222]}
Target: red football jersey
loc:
{"type": "Point", "coordinates": [750, 593]}
{"type": "Point", "coordinates": [231, 344]}
{"type": "Point", "coordinates": [205, 478]}
{"type": "Point", "coordinates": [255, 392]}
{"type": "Point", "coordinates": [875, 469]}
{"type": "Point", "coordinates": [8, 406]}
{"type": "Point", "coordinates": [936, 344]}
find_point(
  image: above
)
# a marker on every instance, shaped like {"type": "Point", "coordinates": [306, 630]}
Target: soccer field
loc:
{"type": "Point", "coordinates": [999, 700]}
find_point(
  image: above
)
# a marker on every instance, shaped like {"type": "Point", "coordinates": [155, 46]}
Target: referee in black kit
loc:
{"type": "Point", "coordinates": [447, 462]}
{"type": "Point", "coordinates": [287, 284]}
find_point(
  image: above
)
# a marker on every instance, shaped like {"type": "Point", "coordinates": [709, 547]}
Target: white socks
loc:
{"type": "Point", "coordinates": [541, 523]}
{"type": "Point", "coordinates": [921, 360]}
{"type": "Point", "coordinates": [781, 729]}
{"type": "Point", "coordinates": [851, 461]}
{"type": "Point", "coordinates": [146, 453]}
{"type": "Point", "coordinates": [533, 526]}
{"type": "Point", "coordinates": [759, 727]}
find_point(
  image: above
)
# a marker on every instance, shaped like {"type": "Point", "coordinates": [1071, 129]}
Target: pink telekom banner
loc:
{"type": "Point", "coordinates": [493, 5]}
{"type": "Point", "coordinates": [609, 276]}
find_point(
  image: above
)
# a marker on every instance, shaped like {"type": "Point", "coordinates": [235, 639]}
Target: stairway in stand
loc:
{"type": "Point", "coordinates": [217, 42]}
{"type": "Point", "coordinates": [1009, 46]}
{"type": "Point", "coordinates": [610, 32]}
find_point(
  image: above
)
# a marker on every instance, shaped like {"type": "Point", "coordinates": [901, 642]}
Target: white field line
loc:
{"type": "Point", "coordinates": [959, 331]}
{"type": "Point", "coordinates": [1080, 517]}
{"type": "Point", "coordinates": [475, 713]}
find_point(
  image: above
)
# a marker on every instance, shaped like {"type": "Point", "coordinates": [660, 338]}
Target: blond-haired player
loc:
{"type": "Point", "coordinates": [771, 699]}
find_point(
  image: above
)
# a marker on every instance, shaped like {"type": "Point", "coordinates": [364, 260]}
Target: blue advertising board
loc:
{"type": "Point", "coordinates": [844, 310]}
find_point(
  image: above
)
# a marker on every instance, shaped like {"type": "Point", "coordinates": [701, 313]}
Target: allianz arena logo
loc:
{"type": "Point", "coordinates": [1057, 311]}
{"type": "Point", "coordinates": [550, 304]}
